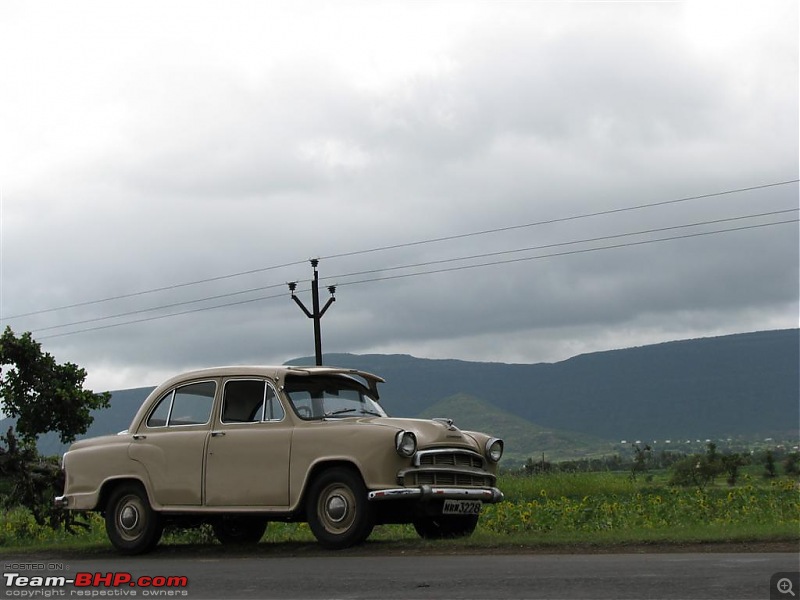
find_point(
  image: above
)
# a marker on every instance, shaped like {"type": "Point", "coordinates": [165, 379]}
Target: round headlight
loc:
{"type": "Point", "coordinates": [494, 449]}
{"type": "Point", "coordinates": [405, 443]}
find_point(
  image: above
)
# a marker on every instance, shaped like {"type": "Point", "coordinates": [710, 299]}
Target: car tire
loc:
{"type": "Point", "coordinates": [239, 530]}
{"type": "Point", "coordinates": [444, 527]}
{"type": "Point", "coordinates": [337, 509]}
{"type": "Point", "coordinates": [131, 524]}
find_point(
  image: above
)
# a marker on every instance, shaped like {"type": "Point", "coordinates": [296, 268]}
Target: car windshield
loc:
{"type": "Point", "coordinates": [330, 396]}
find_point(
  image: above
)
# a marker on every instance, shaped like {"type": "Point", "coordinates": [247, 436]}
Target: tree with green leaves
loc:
{"type": "Point", "coordinates": [698, 469]}
{"type": "Point", "coordinates": [791, 464]}
{"type": "Point", "coordinates": [642, 459]}
{"type": "Point", "coordinates": [43, 396]}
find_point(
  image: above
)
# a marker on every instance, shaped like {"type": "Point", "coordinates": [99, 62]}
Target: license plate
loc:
{"type": "Point", "coordinates": [461, 507]}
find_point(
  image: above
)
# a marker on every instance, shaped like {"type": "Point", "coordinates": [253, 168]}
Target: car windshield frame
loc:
{"type": "Point", "coordinates": [320, 397]}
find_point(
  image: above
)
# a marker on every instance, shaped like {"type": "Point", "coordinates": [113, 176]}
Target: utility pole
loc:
{"type": "Point", "coordinates": [315, 312]}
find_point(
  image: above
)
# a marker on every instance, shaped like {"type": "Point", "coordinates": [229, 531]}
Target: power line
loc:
{"type": "Point", "coordinates": [154, 290]}
{"type": "Point", "coordinates": [559, 244]}
{"type": "Point", "coordinates": [405, 245]}
{"type": "Point", "coordinates": [568, 253]}
{"type": "Point", "coordinates": [157, 317]}
{"type": "Point", "coordinates": [417, 265]}
{"type": "Point", "coordinates": [162, 307]}
{"type": "Point", "coordinates": [444, 270]}
{"type": "Point", "coordinates": [560, 220]}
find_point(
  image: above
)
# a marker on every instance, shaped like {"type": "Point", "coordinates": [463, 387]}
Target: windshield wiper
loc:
{"type": "Point", "coordinates": [371, 412]}
{"type": "Point", "coordinates": [331, 413]}
{"type": "Point", "coordinates": [364, 411]}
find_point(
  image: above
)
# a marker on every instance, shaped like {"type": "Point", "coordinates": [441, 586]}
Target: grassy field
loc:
{"type": "Point", "coordinates": [564, 509]}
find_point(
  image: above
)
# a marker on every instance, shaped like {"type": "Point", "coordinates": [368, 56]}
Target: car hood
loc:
{"type": "Point", "coordinates": [429, 432]}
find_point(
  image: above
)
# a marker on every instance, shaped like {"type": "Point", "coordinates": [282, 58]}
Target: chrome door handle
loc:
{"type": "Point", "coordinates": [217, 433]}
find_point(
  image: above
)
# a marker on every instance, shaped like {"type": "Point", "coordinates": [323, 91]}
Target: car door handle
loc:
{"type": "Point", "coordinates": [217, 433]}
{"type": "Point", "coordinates": [139, 436]}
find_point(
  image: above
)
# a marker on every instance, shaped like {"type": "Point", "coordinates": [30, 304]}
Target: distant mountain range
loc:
{"type": "Point", "coordinates": [735, 385]}
{"type": "Point", "coordinates": [743, 385]}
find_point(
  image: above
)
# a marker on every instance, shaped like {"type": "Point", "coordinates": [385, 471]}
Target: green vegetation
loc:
{"type": "Point", "coordinates": [577, 505]}
{"type": "Point", "coordinates": [43, 396]}
{"type": "Point", "coordinates": [554, 509]}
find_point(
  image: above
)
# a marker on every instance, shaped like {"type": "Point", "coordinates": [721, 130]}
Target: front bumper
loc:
{"type": "Point", "coordinates": [429, 492]}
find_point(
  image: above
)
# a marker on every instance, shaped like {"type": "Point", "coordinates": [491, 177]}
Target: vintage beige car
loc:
{"type": "Point", "coordinates": [238, 447]}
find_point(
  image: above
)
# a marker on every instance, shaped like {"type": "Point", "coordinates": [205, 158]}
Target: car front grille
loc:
{"type": "Point", "coordinates": [454, 458]}
{"type": "Point", "coordinates": [447, 467]}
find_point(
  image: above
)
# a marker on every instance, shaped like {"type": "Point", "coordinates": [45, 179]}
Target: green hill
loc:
{"type": "Point", "coordinates": [729, 386]}
{"type": "Point", "coordinates": [522, 438]}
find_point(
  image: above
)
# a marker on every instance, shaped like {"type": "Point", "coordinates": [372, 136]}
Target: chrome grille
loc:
{"type": "Point", "coordinates": [454, 458]}
{"type": "Point", "coordinates": [447, 467]}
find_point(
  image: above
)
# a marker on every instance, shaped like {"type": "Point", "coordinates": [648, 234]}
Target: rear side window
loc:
{"type": "Point", "coordinates": [250, 401]}
{"type": "Point", "coordinates": [187, 405]}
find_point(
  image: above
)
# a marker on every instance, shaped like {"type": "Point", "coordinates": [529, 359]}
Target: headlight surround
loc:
{"type": "Point", "coordinates": [494, 449]}
{"type": "Point", "coordinates": [405, 442]}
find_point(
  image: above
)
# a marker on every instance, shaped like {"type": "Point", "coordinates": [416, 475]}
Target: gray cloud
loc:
{"type": "Point", "coordinates": [137, 161]}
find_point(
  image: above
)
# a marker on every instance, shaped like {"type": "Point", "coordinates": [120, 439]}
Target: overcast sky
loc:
{"type": "Point", "coordinates": [148, 146]}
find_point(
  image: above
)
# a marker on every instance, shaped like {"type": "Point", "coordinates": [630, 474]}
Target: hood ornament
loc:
{"type": "Point", "coordinates": [446, 422]}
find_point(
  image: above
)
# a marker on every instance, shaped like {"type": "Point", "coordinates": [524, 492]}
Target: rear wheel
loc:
{"type": "Point", "coordinates": [337, 509]}
{"type": "Point", "coordinates": [235, 530]}
{"type": "Point", "coordinates": [445, 526]}
{"type": "Point", "coordinates": [131, 524]}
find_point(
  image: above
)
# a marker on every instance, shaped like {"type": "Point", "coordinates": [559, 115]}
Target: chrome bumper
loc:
{"type": "Point", "coordinates": [428, 492]}
{"type": "Point", "coordinates": [61, 502]}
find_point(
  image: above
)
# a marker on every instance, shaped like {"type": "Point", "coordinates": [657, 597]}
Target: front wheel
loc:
{"type": "Point", "coordinates": [449, 526]}
{"type": "Point", "coordinates": [337, 509]}
{"type": "Point", "coordinates": [131, 524]}
{"type": "Point", "coordinates": [236, 530]}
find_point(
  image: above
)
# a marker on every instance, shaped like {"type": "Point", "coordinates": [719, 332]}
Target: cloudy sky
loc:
{"type": "Point", "coordinates": [500, 181]}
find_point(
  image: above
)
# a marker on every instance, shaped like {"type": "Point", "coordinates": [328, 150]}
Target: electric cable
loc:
{"type": "Point", "coordinates": [443, 270]}
{"type": "Point", "coordinates": [414, 265]}
{"type": "Point", "coordinates": [404, 245]}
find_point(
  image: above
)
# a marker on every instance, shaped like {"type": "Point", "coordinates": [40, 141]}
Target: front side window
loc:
{"type": "Point", "coordinates": [187, 405]}
{"type": "Point", "coordinates": [330, 396]}
{"type": "Point", "coordinates": [250, 401]}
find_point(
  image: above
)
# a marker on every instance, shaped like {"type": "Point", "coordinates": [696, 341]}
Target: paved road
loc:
{"type": "Point", "coordinates": [496, 577]}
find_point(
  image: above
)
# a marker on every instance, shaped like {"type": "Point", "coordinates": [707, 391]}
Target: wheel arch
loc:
{"type": "Point", "coordinates": [108, 487]}
{"type": "Point", "coordinates": [316, 470]}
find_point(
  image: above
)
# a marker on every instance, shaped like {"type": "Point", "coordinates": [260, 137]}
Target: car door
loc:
{"type": "Point", "coordinates": [247, 461]}
{"type": "Point", "coordinates": [171, 443]}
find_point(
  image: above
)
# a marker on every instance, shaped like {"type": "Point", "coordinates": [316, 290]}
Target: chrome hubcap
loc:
{"type": "Point", "coordinates": [336, 508]}
{"type": "Point", "coordinates": [129, 517]}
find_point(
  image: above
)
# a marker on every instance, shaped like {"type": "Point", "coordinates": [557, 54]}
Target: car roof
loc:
{"type": "Point", "coordinates": [275, 372]}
